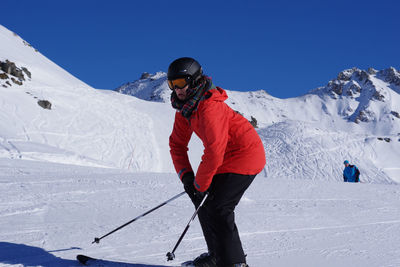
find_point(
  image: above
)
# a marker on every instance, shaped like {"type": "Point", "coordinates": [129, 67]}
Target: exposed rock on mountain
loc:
{"type": "Point", "coordinates": [8, 67]}
{"type": "Point", "coordinates": [365, 95]}
{"type": "Point", "coordinates": [151, 87]}
{"type": "Point", "coordinates": [44, 104]}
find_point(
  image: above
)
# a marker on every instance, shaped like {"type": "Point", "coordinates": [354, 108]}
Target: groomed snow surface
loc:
{"type": "Point", "coordinates": [51, 212]}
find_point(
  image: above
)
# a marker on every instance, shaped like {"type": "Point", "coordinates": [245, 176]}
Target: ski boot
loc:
{"type": "Point", "coordinates": [205, 260]}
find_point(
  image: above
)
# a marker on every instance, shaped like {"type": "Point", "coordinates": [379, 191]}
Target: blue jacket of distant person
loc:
{"type": "Point", "coordinates": [351, 174]}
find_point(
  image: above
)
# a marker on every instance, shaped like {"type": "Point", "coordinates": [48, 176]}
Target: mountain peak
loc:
{"type": "Point", "coordinates": [18, 59]}
{"type": "Point", "coordinates": [151, 87]}
{"type": "Point", "coordinates": [365, 95]}
{"type": "Point", "coordinates": [391, 76]}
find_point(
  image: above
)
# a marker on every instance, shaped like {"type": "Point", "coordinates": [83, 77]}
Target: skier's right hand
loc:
{"type": "Point", "coordinates": [188, 185]}
{"type": "Point", "coordinates": [188, 180]}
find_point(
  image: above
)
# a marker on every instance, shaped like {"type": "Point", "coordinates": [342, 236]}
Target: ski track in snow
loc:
{"type": "Point", "coordinates": [301, 150]}
{"type": "Point", "coordinates": [297, 212]}
{"type": "Point", "coordinates": [49, 213]}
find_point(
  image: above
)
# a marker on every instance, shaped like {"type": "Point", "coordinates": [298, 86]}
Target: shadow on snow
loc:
{"type": "Point", "coordinates": [11, 253]}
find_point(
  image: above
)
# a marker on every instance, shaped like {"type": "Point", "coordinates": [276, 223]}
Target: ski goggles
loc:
{"type": "Point", "coordinates": [179, 83]}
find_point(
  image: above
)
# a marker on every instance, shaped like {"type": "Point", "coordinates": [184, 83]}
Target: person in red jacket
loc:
{"type": "Point", "coordinates": [233, 156]}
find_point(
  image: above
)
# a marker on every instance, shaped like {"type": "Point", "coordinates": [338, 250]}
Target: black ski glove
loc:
{"type": "Point", "coordinates": [188, 180]}
{"type": "Point", "coordinates": [188, 185]}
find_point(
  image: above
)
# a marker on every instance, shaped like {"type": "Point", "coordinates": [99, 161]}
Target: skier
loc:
{"type": "Point", "coordinates": [351, 173]}
{"type": "Point", "coordinates": [233, 156]}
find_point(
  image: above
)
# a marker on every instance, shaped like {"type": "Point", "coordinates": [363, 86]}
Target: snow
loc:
{"type": "Point", "coordinates": [52, 212]}
{"type": "Point", "coordinates": [99, 158]}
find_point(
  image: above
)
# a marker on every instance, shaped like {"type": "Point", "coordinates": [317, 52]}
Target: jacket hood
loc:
{"type": "Point", "coordinates": [217, 94]}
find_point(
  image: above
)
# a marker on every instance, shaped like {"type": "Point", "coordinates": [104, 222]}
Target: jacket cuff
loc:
{"type": "Point", "coordinates": [200, 188]}
{"type": "Point", "coordinates": [183, 172]}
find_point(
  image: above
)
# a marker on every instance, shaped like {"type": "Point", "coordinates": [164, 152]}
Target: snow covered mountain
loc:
{"type": "Point", "coordinates": [76, 162]}
{"type": "Point", "coordinates": [49, 115]}
{"type": "Point", "coordinates": [367, 96]}
{"type": "Point", "coordinates": [355, 116]}
{"type": "Point", "coordinates": [151, 87]}
{"type": "Point", "coordinates": [362, 96]}
{"type": "Point", "coordinates": [46, 114]}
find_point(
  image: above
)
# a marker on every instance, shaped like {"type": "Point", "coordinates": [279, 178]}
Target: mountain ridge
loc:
{"type": "Point", "coordinates": [305, 137]}
{"type": "Point", "coordinates": [362, 97]}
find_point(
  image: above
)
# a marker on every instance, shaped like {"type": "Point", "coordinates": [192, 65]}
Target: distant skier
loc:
{"type": "Point", "coordinates": [233, 156]}
{"type": "Point", "coordinates": [351, 173]}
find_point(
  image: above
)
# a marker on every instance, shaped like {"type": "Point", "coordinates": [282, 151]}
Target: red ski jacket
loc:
{"type": "Point", "coordinates": [231, 144]}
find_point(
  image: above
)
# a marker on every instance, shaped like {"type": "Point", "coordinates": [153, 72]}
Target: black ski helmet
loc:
{"type": "Point", "coordinates": [185, 67]}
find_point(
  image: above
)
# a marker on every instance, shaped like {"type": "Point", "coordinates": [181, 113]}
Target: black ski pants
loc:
{"type": "Point", "coordinates": [217, 217]}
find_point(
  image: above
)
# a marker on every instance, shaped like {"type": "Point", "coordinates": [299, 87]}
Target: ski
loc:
{"type": "Point", "coordinates": [89, 261]}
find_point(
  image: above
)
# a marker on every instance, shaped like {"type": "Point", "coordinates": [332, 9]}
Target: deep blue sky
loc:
{"type": "Point", "coordinates": [284, 47]}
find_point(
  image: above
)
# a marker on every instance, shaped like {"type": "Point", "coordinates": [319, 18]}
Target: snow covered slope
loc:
{"type": "Point", "coordinates": [50, 212]}
{"type": "Point", "coordinates": [355, 117]}
{"type": "Point", "coordinates": [48, 115]}
{"type": "Point", "coordinates": [297, 212]}
{"type": "Point", "coordinates": [370, 99]}
{"type": "Point", "coordinates": [82, 126]}
{"type": "Point", "coordinates": [45, 74]}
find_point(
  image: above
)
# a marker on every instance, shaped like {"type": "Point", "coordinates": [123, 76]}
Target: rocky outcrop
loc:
{"type": "Point", "coordinates": [44, 104]}
{"type": "Point", "coordinates": [361, 75]}
{"type": "Point", "coordinates": [378, 96]}
{"type": "Point", "coordinates": [10, 68]}
{"type": "Point", "coordinates": [372, 71]}
{"type": "Point", "coordinates": [345, 75]}
{"type": "Point", "coordinates": [336, 87]}
{"type": "Point", "coordinates": [28, 44]}
{"type": "Point", "coordinates": [4, 76]}
{"type": "Point", "coordinates": [16, 81]}
{"type": "Point", "coordinates": [364, 116]}
{"type": "Point", "coordinates": [390, 75]}
{"type": "Point", "coordinates": [10, 72]}
{"type": "Point", "coordinates": [348, 83]}
{"type": "Point", "coordinates": [27, 72]}
{"type": "Point", "coordinates": [366, 91]}
{"type": "Point", "coordinates": [253, 122]}
{"type": "Point", "coordinates": [145, 75]}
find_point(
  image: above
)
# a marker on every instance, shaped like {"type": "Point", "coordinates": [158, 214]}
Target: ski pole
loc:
{"type": "Point", "coordinates": [97, 239]}
{"type": "Point", "coordinates": [171, 255]}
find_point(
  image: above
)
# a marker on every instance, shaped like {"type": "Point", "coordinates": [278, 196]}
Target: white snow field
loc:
{"type": "Point", "coordinates": [51, 212]}
{"type": "Point", "coordinates": [97, 159]}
